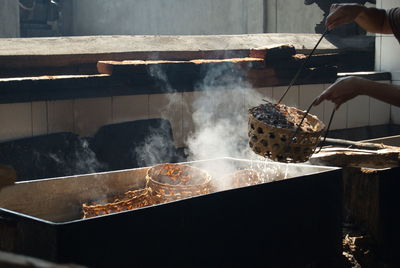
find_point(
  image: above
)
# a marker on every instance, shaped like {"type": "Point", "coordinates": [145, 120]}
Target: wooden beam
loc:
{"type": "Point", "coordinates": [60, 87]}
{"type": "Point", "coordinates": [355, 144]}
{"type": "Point", "coordinates": [131, 67]}
{"type": "Point", "coordinates": [345, 157]}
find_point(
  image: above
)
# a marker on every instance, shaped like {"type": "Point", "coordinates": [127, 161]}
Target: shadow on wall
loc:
{"type": "Point", "coordinates": [117, 146]}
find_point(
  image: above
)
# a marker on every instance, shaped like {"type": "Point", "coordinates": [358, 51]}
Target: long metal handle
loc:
{"type": "Point", "coordinates": [301, 122]}
{"type": "Point", "coordinates": [302, 65]}
{"type": "Point", "coordinates": [326, 131]}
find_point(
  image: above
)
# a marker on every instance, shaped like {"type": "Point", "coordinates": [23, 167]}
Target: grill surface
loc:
{"type": "Point", "coordinates": [298, 217]}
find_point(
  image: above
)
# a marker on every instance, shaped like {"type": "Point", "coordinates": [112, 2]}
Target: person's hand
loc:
{"type": "Point", "coordinates": [342, 90]}
{"type": "Point", "coordinates": [342, 14]}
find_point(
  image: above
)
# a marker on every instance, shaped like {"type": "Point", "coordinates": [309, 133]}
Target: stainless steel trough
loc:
{"type": "Point", "coordinates": [291, 220]}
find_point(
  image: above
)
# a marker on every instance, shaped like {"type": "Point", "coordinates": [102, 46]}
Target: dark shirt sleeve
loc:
{"type": "Point", "coordinates": [394, 21]}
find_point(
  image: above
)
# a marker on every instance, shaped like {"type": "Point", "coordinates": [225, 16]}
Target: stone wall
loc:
{"type": "Point", "coordinates": [288, 16]}
{"type": "Point", "coordinates": [86, 116]}
{"type": "Point", "coordinates": [153, 17]}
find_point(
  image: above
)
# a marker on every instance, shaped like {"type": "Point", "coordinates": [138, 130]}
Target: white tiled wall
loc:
{"type": "Point", "coordinates": [340, 117]}
{"type": "Point", "coordinates": [60, 116]}
{"type": "Point", "coordinates": [379, 112]}
{"type": "Point", "coordinates": [39, 118]}
{"type": "Point", "coordinates": [15, 120]}
{"type": "Point", "coordinates": [265, 92]}
{"type": "Point", "coordinates": [129, 108]}
{"type": "Point", "coordinates": [170, 107]}
{"type": "Point", "coordinates": [395, 111]}
{"type": "Point", "coordinates": [291, 98]}
{"type": "Point", "coordinates": [378, 50]}
{"type": "Point", "coordinates": [91, 114]}
{"type": "Point", "coordinates": [85, 116]}
{"type": "Point", "coordinates": [387, 4]}
{"type": "Point", "coordinates": [390, 53]}
{"type": "Point", "coordinates": [307, 95]}
{"type": "Point", "coordinates": [358, 112]}
{"type": "Point", "coordinates": [387, 54]}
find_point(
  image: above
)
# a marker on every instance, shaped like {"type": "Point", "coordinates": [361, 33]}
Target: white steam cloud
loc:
{"type": "Point", "coordinates": [220, 116]}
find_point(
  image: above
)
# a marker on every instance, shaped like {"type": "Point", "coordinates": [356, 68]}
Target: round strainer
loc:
{"type": "Point", "coordinates": [274, 132]}
{"type": "Point", "coordinates": [175, 181]}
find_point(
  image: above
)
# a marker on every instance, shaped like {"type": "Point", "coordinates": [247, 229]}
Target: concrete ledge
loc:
{"type": "Point", "coordinates": [79, 55]}
{"type": "Point", "coordinates": [93, 45]}
{"type": "Point", "coordinates": [376, 76]}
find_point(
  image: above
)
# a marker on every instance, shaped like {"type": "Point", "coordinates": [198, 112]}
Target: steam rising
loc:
{"type": "Point", "coordinates": [157, 147]}
{"type": "Point", "coordinates": [81, 160]}
{"type": "Point", "coordinates": [220, 120]}
{"type": "Point", "coordinates": [220, 116]}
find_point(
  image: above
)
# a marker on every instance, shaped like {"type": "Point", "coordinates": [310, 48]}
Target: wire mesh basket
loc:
{"type": "Point", "coordinates": [128, 201]}
{"type": "Point", "coordinates": [282, 133]}
{"type": "Point", "coordinates": [170, 182]}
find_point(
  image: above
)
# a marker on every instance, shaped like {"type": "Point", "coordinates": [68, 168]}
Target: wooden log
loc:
{"type": "Point", "coordinates": [371, 201]}
{"type": "Point", "coordinates": [263, 77]}
{"type": "Point", "coordinates": [129, 67]}
{"type": "Point", "coordinates": [273, 54]}
{"type": "Point", "coordinates": [387, 140]}
{"type": "Point", "coordinates": [176, 74]}
{"type": "Point", "coordinates": [355, 144]}
{"type": "Point", "coordinates": [325, 59]}
{"type": "Point", "coordinates": [345, 157]}
{"type": "Point", "coordinates": [60, 87]}
{"type": "Point", "coordinates": [292, 62]}
{"type": "Point", "coordinates": [272, 77]}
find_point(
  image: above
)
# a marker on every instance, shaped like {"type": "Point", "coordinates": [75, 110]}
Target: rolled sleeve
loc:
{"type": "Point", "coordinates": [394, 21]}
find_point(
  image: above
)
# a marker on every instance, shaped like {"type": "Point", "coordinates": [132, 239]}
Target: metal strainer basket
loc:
{"type": "Point", "coordinates": [277, 131]}
{"type": "Point", "coordinates": [170, 182]}
{"type": "Point", "coordinates": [274, 132]}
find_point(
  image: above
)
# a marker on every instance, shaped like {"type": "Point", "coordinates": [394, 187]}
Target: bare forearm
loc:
{"type": "Point", "coordinates": [373, 20]}
{"type": "Point", "coordinates": [385, 92]}
{"type": "Point", "coordinates": [370, 19]}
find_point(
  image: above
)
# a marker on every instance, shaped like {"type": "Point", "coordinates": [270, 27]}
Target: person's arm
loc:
{"type": "Point", "coordinates": [349, 87]}
{"type": "Point", "coordinates": [370, 19]}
